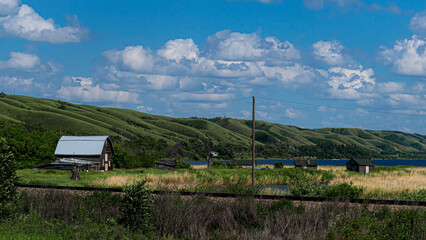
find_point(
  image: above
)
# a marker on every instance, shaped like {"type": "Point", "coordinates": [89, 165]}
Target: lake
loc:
{"type": "Point", "coordinates": [377, 162]}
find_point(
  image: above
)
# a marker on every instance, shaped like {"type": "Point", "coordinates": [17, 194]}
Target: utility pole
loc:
{"type": "Point", "coordinates": [252, 144]}
{"type": "Point", "coordinates": [208, 153]}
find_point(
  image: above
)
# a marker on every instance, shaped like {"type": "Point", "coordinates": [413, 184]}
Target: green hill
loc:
{"type": "Point", "coordinates": [91, 120]}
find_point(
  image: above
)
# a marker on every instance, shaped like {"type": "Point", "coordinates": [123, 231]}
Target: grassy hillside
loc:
{"type": "Point", "coordinates": [92, 120]}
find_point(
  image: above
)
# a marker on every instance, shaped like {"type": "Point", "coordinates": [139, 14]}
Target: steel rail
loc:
{"type": "Point", "coordinates": [239, 195]}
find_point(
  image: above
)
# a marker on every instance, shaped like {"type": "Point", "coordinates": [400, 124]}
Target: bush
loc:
{"type": "Point", "coordinates": [180, 164]}
{"type": "Point", "coordinates": [217, 164]}
{"type": "Point", "coordinates": [278, 165]}
{"type": "Point", "coordinates": [136, 207]}
{"type": "Point", "coordinates": [8, 181]}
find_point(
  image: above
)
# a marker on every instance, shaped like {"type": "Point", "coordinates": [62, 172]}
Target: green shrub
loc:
{"type": "Point", "coordinates": [180, 164]}
{"type": "Point", "coordinates": [8, 181]}
{"type": "Point", "coordinates": [278, 165]}
{"type": "Point", "coordinates": [217, 164]}
{"type": "Point", "coordinates": [136, 207]}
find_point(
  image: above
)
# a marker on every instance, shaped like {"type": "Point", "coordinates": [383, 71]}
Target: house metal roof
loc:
{"type": "Point", "coordinates": [81, 146]}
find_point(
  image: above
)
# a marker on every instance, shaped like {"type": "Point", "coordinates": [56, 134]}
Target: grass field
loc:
{"type": "Point", "coordinates": [385, 182]}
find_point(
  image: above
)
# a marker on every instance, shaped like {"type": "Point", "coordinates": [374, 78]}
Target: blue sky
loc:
{"type": "Point", "coordinates": [309, 63]}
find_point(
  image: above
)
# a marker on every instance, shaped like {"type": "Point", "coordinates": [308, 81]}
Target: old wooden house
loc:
{"type": "Point", "coordinates": [85, 152]}
{"type": "Point", "coordinates": [306, 163]}
{"type": "Point", "coordinates": [166, 163]}
{"type": "Point", "coordinates": [360, 165]}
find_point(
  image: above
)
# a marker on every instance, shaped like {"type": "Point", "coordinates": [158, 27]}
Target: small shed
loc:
{"type": "Point", "coordinates": [166, 163]}
{"type": "Point", "coordinates": [360, 165]}
{"type": "Point", "coordinates": [306, 163]}
{"type": "Point", "coordinates": [84, 152]}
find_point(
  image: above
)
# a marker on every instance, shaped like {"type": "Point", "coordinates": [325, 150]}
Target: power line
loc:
{"type": "Point", "coordinates": [347, 108]}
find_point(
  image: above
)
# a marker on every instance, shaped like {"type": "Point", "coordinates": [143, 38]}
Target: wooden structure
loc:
{"type": "Point", "coordinates": [166, 163]}
{"type": "Point", "coordinates": [84, 152]}
{"type": "Point", "coordinates": [360, 165]}
{"type": "Point", "coordinates": [306, 163]}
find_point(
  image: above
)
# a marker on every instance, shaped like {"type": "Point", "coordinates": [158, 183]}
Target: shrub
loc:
{"type": "Point", "coordinates": [278, 165]}
{"type": "Point", "coordinates": [341, 190]}
{"type": "Point", "coordinates": [8, 181]}
{"type": "Point", "coordinates": [136, 207]}
{"type": "Point", "coordinates": [180, 164]}
{"type": "Point", "coordinates": [218, 164]}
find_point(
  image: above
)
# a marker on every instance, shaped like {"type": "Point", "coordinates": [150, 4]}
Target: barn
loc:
{"type": "Point", "coordinates": [86, 152]}
{"type": "Point", "coordinates": [360, 165]}
{"type": "Point", "coordinates": [306, 163]}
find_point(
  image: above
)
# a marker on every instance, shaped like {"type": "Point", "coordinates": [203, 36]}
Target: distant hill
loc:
{"type": "Point", "coordinates": [91, 120]}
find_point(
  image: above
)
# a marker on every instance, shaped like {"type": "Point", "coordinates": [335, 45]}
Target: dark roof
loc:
{"type": "Point", "coordinates": [362, 162]}
{"type": "Point", "coordinates": [305, 162]}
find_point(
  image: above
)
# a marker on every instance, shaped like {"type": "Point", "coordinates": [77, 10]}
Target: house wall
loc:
{"type": "Point", "coordinates": [106, 158]}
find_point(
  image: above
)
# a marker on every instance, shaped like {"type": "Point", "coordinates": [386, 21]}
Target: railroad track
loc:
{"type": "Point", "coordinates": [236, 195]}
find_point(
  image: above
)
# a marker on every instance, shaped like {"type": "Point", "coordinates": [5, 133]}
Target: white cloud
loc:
{"type": "Point", "coordinates": [350, 83]}
{"type": "Point", "coordinates": [407, 57]}
{"type": "Point", "coordinates": [24, 22]}
{"type": "Point", "coordinates": [390, 87]}
{"type": "Point", "coordinates": [134, 58]}
{"type": "Point", "coordinates": [85, 90]}
{"type": "Point", "coordinates": [161, 82]}
{"type": "Point", "coordinates": [185, 96]}
{"type": "Point", "coordinates": [418, 23]}
{"type": "Point", "coordinates": [325, 109]}
{"type": "Point", "coordinates": [227, 45]}
{"type": "Point", "coordinates": [329, 52]}
{"type": "Point", "coordinates": [17, 82]}
{"type": "Point", "coordinates": [414, 101]}
{"type": "Point", "coordinates": [144, 108]}
{"type": "Point", "coordinates": [297, 73]}
{"type": "Point", "coordinates": [8, 7]}
{"type": "Point", "coordinates": [21, 61]}
{"type": "Point", "coordinates": [292, 113]}
{"type": "Point", "coordinates": [350, 4]}
{"type": "Point", "coordinates": [180, 49]}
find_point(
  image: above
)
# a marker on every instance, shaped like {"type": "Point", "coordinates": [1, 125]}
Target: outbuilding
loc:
{"type": "Point", "coordinates": [306, 163]}
{"type": "Point", "coordinates": [360, 165]}
{"type": "Point", "coordinates": [84, 152]}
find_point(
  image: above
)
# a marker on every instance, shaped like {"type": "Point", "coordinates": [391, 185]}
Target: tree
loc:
{"type": "Point", "coordinates": [8, 181]}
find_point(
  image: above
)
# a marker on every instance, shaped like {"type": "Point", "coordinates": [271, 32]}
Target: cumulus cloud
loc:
{"type": "Point", "coordinates": [22, 21]}
{"type": "Point", "coordinates": [227, 45]}
{"type": "Point", "coordinates": [144, 108]}
{"type": "Point", "coordinates": [186, 96]}
{"type": "Point", "coordinates": [418, 23]}
{"type": "Point", "coordinates": [407, 57]}
{"type": "Point", "coordinates": [84, 89]}
{"type": "Point", "coordinates": [329, 52]}
{"type": "Point", "coordinates": [345, 5]}
{"type": "Point", "coordinates": [21, 61]}
{"type": "Point", "coordinates": [350, 83]}
{"type": "Point", "coordinates": [229, 57]}
{"type": "Point", "coordinates": [180, 49]}
{"type": "Point", "coordinates": [407, 100]}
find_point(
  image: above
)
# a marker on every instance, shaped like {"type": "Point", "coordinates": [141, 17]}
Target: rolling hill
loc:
{"type": "Point", "coordinates": [92, 120]}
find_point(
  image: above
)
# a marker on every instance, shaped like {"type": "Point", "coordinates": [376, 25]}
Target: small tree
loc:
{"type": "Point", "coordinates": [136, 207]}
{"type": "Point", "coordinates": [8, 181]}
{"type": "Point", "coordinates": [278, 165]}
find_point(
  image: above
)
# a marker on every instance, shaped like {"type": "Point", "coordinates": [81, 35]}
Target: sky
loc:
{"type": "Point", "coordinates": [308, 63]}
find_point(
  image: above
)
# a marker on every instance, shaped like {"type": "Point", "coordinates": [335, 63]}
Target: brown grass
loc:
{"type": "Point", "coordinates": [384, 181]}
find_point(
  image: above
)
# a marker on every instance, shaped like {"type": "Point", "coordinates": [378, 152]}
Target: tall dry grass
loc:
{"type": "Point", "coordinates": [407, 179]}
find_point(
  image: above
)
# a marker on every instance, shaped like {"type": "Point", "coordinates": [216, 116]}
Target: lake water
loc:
{"type": "Point", "coordinates": [387, 162]}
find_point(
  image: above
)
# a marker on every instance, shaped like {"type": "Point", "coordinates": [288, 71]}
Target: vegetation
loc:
{"type": "Point", "coordinates": [136, 207]}
{"type": "Point", "coordinates": [8, 181]}
{"type": "Point", "coordinates": [65, 215]}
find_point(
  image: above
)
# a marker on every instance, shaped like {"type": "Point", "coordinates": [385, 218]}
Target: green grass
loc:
{"type": "Point", "coordinates": [92, 120]}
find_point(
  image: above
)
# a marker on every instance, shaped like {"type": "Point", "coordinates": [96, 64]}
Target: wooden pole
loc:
{"type": "Point", "coordinates": [208, 153]}
{"type": "Point", "coordinates": [252, 144]}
